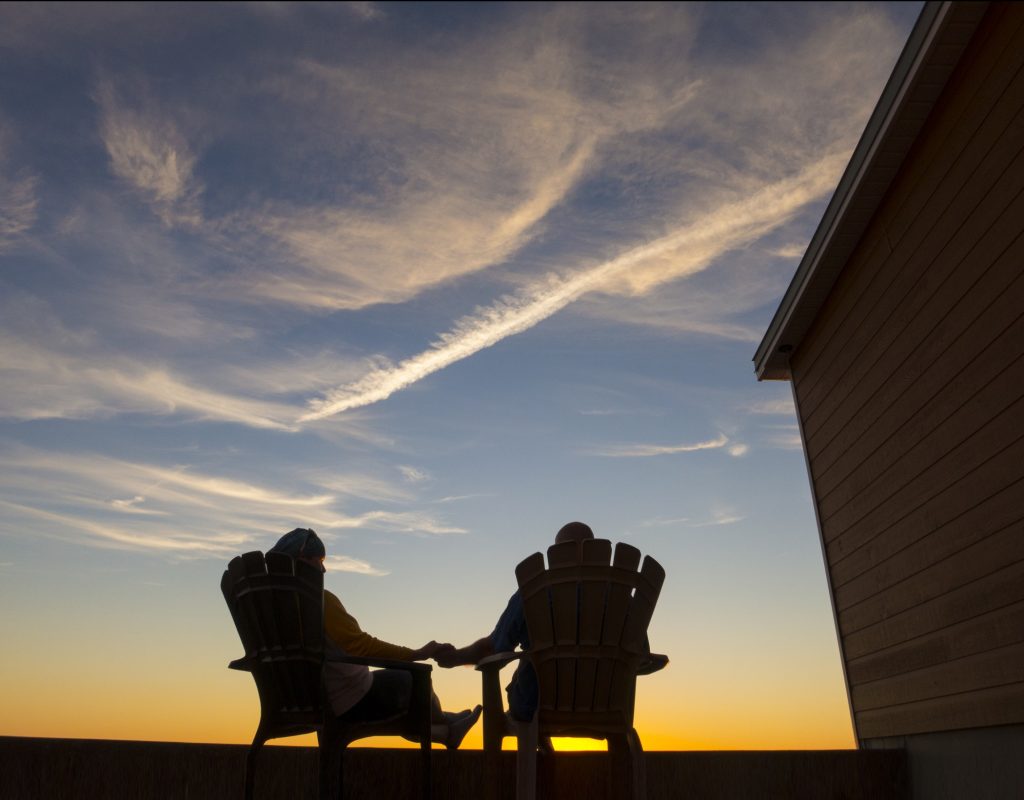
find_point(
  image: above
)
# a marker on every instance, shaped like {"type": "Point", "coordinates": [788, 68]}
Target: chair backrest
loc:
{"type": "Point", "coordinates": [277, 604]}
{"type": "Point", "coordinates": [587, 616]}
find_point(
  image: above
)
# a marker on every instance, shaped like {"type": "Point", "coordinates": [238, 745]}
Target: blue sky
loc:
{"type": "Point", "coordinates": [432, 279]}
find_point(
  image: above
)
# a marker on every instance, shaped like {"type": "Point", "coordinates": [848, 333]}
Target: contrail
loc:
{"type": "Point", "coordinates": [728, 227]}
{"type": "Point", "coordinates": [645, 450]}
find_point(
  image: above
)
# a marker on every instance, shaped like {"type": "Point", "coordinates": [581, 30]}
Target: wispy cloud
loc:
{"type": "Point", "coordinates": [474, 146]}
{"type": "Point", "coordinates": [413, 474]}
{"type": "Point", "coordinates": [148, 151]}
{"type": "Point", "coordinates": [172, 541]}
{"type": "Point", "coordinates": [716, 519]}
{"type": "Point", "coordinates": [696, 247]}
{"type": "Point", "coordinates": [662, 522]}
{"type": "Point", "coordinates": [457, 498]}
{"type": "Point", "coordinates": [99, 534]}
{"type": "Point", "coordinates": [753, 124]}
{"type": "Point", "coordinates": [784, 437]}
{"type": "Point", "coordinates": [392, 521]}
{"type": "Point", "coordinates": [351, 258]}
{"type": "Point", "coordinates": [471, 154]}
{"type": "Point", "coordinates": [132, 505]}
{"type": "Point", "coordinates": [147, 482]}
{"type": "Point", "coordinates": [795, 250]}
{"type": "Point", "coordinates": [648, 450]}
{"type": "Point", "coordinates": [18, 195]}
{"type": "Point", "coordinates": [780, 406]}
{"type": "Point", "coordinates": [348, 564]}
{"type": "Point", "coordinates": [364, 9]}
{"type": "Point", "coordinates": [226, 488]}
{"type": "Point", "coordinates": [18, 203]}
{"type": "Point", "coordinates": [211, 514]}
{"type": "Point", "coordinates": [42, 383]}
{"type": "Point", "coordinates": [51, 370]}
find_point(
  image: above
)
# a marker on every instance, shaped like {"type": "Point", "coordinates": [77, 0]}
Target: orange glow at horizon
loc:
{"type": "Point", "coordinates": [233, 719]}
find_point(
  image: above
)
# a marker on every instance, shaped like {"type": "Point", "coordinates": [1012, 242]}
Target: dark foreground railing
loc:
{"type": "Point", "coordinates": [83, 769]}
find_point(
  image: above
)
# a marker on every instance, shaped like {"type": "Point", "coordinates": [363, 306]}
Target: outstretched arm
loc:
{"type": "Point", "coordinates": [470, 654]}
{"type": "Point", "coordinates": [508, 634]}
{"type": "Point", "coordinates": [343, 629]}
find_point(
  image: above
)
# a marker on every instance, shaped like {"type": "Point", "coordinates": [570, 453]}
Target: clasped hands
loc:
{"type": "Point", "coordinates": [443, 653]}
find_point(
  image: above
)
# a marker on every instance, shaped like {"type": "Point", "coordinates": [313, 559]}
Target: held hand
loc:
{"type": "Point", "coordinates": [446, 656]}
{"type": "Point", "coordinates": [425, 652]}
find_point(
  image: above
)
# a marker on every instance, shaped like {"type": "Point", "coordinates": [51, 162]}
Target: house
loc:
{"type": "Point", "coordinates": [902, 335]}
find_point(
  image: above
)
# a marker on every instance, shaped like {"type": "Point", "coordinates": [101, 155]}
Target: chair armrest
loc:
{"type": "Point", "coordinates": [245, 663]}
{"type": "Point", "coordinates": [653, 663]}
{"type": "Point", "coordinates": [385, 663]}
{"type": "Point", "coordinates": [497, 661]}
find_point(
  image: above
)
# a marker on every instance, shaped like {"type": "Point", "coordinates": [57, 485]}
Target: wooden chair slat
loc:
{"type": "Point", "coordinates": [244, 613]}
{"type": "Point", "coordinates": [586, 680]}
{"type": "Point", "coordinates": [311, 613]}
{"type": "Point", "coordinates": [593, 601]}
{"type": "Point", "coordinates": [645, 597]}
{"type": "Point", "coordinates": [619, 597]}
{"type": "Point", "coordinates": [593, 593]}
{"type": "Point", "coordinates": [547, 680]}
{"type": "Point", "coordinates": [227, 588]}
{"type": "Point", "coordinates": [597, 553]}
{"type": "Point", "coordinates": [276, 612]}
{"type": "Point", "coordinates": [620, 691]}
{"type": "Point", "coordinates": [529, 568]}
{"type": "Point", "coordinates": [627, 557]}
{"type": "Point", "coordinates": [563, 596]}
{"type": "Point", "coordinates": [254, 563]}
{"type": "Point", "coordinates": [593, 589]}
{"type": "Point", "coordinates": [536, 605]}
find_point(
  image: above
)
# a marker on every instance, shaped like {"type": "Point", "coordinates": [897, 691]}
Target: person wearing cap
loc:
{"type": "Point", "coordinates": [509, 633]}
{"type": "Point", "coordinates": [355, 692]}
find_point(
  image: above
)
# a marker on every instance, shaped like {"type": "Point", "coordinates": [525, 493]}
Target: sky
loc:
{"type": "Point", "coordinates": [433, 280]}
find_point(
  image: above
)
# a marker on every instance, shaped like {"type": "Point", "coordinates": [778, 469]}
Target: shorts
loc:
{"type": "Point", "coordinates": [389, 696]}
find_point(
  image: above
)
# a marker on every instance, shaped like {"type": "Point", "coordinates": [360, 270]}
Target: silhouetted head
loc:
{"type": "Point", "coordinates": [302, 543]}
{"type": "Point", "coordinates": [574, 532]}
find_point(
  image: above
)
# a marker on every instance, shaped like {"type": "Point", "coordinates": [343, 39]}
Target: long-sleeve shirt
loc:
{"type": "Point", "coordinates": [347, 683]}
{"type": "Point", "coordinates": [343, 629]}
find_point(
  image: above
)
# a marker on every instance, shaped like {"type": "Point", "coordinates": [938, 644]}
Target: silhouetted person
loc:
{"type": "Point", "coordinates": [509, 633]}
{"type": "Point", "coordinates": [355, 692]}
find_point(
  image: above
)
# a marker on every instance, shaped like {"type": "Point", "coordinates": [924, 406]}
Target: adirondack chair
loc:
{"type": "Point", "coordinates": [277, 604]}
{"type": "Point", "coordinates": [587, 618]}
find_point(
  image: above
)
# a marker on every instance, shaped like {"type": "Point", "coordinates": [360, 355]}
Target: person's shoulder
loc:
{"type": "Point", "coordinates": [332, 598]}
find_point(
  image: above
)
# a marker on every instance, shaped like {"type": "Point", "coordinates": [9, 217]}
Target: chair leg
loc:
{"type": "Point", "coordinates": [331, 752]}
{"type": "Point", "coordinates": [250, 762]}
{"type": "Point", "coordinates": [526, 762]}
{"type": "Point", "coordinates": [495, 729]}
{"type": "Point", "coordinates": [492, 762]}
{"type": "Point", "coordinates": [639, 765]}
{"type": "Point", "coordinates": [422, 702]}
{"type": "Point", "coordinates": [629, 773]}
{"type": "Point", "coordinates": [425, 787]}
